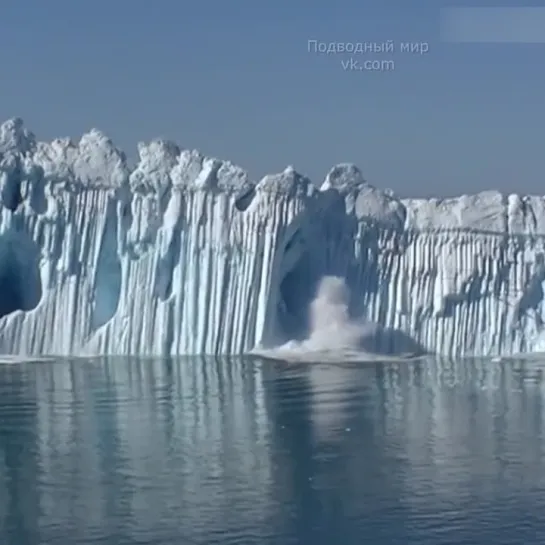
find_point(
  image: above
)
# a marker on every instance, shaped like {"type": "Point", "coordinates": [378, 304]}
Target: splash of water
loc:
{"type": "Point", "coordinates": [334, 335]}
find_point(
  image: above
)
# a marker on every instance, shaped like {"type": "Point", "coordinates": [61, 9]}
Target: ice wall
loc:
{"type": "Point", "coordinates": [183, 254]}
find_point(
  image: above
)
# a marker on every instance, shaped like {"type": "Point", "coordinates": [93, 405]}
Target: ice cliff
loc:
{"type": "Point", "coordinates": [183, 254]}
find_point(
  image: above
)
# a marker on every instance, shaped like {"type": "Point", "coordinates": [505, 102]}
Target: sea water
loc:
{"type": "Point", "coordinates": [250, 450]}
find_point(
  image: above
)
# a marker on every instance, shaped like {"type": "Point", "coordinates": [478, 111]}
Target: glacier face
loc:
{"type": "Point", "coordinates": [183, 254]}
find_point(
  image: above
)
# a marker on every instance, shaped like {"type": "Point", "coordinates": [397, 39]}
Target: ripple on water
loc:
{"type": "Point", "coordinates": [249, 450]}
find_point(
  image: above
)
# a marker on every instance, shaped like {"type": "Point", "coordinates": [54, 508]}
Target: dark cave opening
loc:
{"type": "Point", "coordinates": [165, 266]}
{"type": "Point", "coordinates": [321, 243]}
{"type": "Point", "coordinates": [11, 193]}
{"type": "Point", "coordinates": [244, 199]}
{"type": "Point", "coordinates": [108, 276]}
{"type": "Point", "coordinates": [20, 282]}
{"type": "Point", "coordinates": [296, 292]}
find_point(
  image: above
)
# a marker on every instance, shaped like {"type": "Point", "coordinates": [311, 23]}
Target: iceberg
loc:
{"type": "Point", "coordinates": [184, 254]}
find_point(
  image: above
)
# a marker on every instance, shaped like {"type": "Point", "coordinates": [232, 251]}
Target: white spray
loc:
{"type": "Point", "coordinates": [333, 335]}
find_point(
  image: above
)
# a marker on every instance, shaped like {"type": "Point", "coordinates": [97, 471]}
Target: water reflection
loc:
{"type": "Point", "coordinates": [250, 451]}
{"type": "Point", "coordinates": [402, 452]}
{"type": "Point", "coordinates": [129, 448]}
{"type": "Point", "coordinates": [339, 486]}
{"type": "Point", "coordinates": [19, 457]}
{"type": "Point", "coordinates": [473, 430]}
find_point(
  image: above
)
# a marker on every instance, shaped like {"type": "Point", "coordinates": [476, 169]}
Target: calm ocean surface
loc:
{"type": "Point", "coordinates": [247, 451]}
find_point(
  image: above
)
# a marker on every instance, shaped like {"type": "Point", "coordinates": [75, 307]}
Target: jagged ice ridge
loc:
{"type": "Point", "coordinates": [183, 254]}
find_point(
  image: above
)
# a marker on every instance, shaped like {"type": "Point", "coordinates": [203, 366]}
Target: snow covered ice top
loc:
{"type": "Point", "coordinates": [184, 254]}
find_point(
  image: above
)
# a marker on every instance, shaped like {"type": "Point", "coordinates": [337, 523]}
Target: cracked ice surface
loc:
{"type": "Point", "coordinates": [184, 254]}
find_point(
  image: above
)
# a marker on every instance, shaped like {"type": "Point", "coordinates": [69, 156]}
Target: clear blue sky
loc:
{"type": "Point", "coordinates": [234, 79]}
